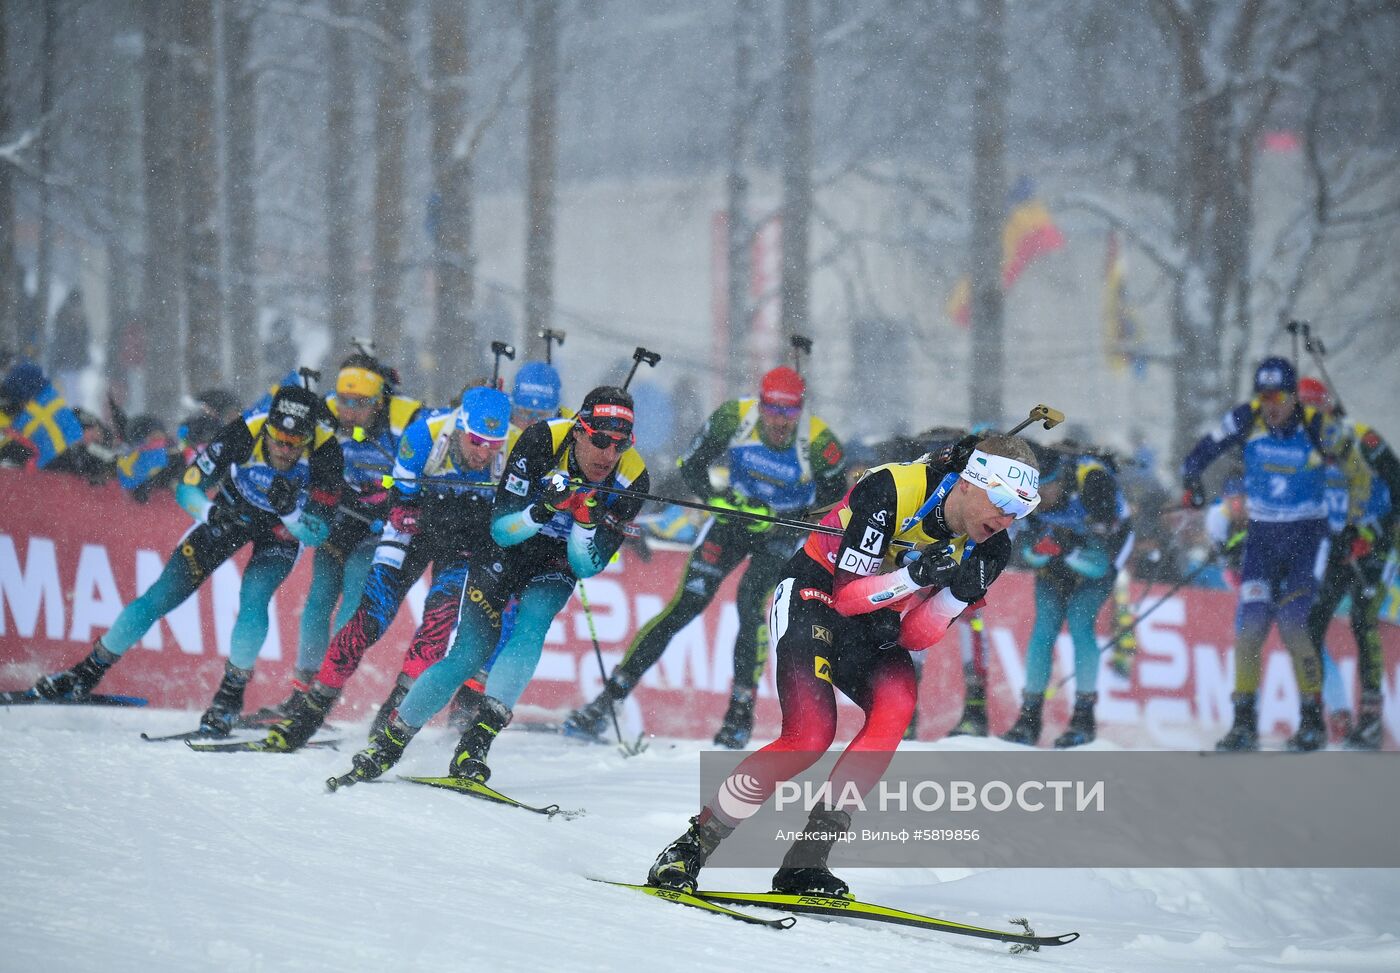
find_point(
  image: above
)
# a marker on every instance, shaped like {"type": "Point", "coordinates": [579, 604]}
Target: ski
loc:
{"type": "Point", "coordinates": [23, 697]}
{"type": "Point", "coordinates": [823, 906]}
{"type": "Point", "coordinates": [475, 788]}
{"type": "Point", "coordinates": [696, 902]}
{"type": "Point", "coordinates": [202, 733]}
{"type": "Point", "coordinates": [256, 746]}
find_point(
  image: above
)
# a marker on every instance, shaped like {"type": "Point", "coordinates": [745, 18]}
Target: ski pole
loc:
{"type": "Point", "coordinates": [801, 345]}
{"type": "Point", "coordinates": [500, 348]}
{"type": "Point", "coordinates": [627, 751]}
{"type": "Point", "coordinates": [1318, 350]}
{"type": "Point", "coordinates": [1133, 623]}
{"type": "Point", "coordinates": [550, 336]}
{"type": "Point", "coordinates": [1294, 328]}
{"type": "Point", "coordinates": [639, 356]}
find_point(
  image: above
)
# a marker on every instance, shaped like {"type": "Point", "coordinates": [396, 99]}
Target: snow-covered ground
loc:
{"type": "Point", "coordinates": [123, 855]}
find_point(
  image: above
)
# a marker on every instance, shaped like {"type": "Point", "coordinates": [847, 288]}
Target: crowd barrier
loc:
{"type": "Point", "coordinates": [71, 555]}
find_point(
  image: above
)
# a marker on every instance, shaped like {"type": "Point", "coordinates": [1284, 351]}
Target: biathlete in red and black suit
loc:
{"type": "Point", "coordinates": [840, 623]}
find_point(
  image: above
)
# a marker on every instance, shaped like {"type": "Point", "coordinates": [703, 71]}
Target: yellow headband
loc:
{"type": "Point", "coordinates": [359, 381]}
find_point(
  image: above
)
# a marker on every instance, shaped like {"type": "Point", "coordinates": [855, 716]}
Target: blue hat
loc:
{"type": "Point", "coordinates": [1275, 374]}
{"type": "Point", "coordinates": [537, 387]}
{"type": "Point", "coordinates": [485, 412]}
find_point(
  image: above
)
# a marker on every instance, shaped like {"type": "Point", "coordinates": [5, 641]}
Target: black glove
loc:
{"type": "Point", "coordinates": [953, 457]}
{"type": "Point", "coordinates": [222, 517]}
{"type": "Point", "coordinates": [282, 495]}
{"type": "Point", "coordinates": [933, 570]}
{"type": "Point", "coordinates": [980, 568]}
{"type": "Point", "coordinates": [884, 627]}
{"type": "Point", "coordinates": [554, 490]}
{"type": "Point", "coordinates": [1193, 494]}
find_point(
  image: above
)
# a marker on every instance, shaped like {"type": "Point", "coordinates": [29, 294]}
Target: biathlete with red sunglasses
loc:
{"type": "Point", "coordinates": [441, 521]}
{"type": "Point", "coordinates": [841, 623]}
{"type": "Point", "coordinates": [781, 460]}
{"type": "Point", "coordinates": [278, 476]}
{"type": "Point", "coordinates": [1287, 448]}
{"type": "Point", "coordinates": [553, 529]}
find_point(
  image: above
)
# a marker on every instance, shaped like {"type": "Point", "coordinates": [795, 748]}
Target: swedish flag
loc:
{"type": "Point", "coordinates": [49, 424]}
{"type": "Point", "coordinates": [140, 465]}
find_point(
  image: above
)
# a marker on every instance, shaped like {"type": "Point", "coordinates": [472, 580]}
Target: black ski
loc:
{"type": "Point", "coordinates": [256, 746]}
{"type": "Point", "coordinates": [473, 788]}
{"type": "Point", "coordinates": [24, 697]}
{"type": "Point", "coordinates": [201, 733]}
{"type": "Point", "coordinates": [822, 906]}
{"type": "Point", "coordinates": [695, 902]}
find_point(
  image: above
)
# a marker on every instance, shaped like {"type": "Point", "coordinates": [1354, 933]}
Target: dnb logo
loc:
{"type": "Point", "coordinates": [822, 668]}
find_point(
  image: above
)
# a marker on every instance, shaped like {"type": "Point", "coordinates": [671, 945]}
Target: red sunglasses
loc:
{"type": "Point", "coordinates": [476, 440]}
{"type": "Point", "coordinates": [605, 440]}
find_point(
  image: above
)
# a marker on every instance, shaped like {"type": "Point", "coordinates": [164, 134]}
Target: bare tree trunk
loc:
{"type": "Point", "coordinates": [390, 125]}
{"type": "Point", "coordinates": [204, 339]}
{"type": "Point", "coordinates": [988, 214]}
{"type": "Point", "coordinates": [161, 297]}
{"type": "Point", "coordinates": [542, 145]}
{"type": "Point", "coordinates": [340, 190]}
{"type": "Point", "coordinates": [738, 309]}
{"type": "Point", "coordinates": [43, 264]}
{"type": "Point", "coordinates": [796, 122]}
{"type": "Point", "coordinates": [9, 266]}
{"type": "Point", "coordinates": [453, 346]}
{"type": "Point", "coordinates": [240, 141]}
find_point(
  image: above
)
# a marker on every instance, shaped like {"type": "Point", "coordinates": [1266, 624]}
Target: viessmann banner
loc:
{"type": "Point", "coordinates": [72, 555]}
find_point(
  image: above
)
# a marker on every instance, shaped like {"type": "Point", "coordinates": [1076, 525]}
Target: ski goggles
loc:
{"type": "Point", "coordinates": [357, 401]}
{"type": "Point", "coordinates": [780, 411]}
{"type": "Point", "coordinates": [283, 438]}
{"type": "Point", "coordinates": [1012, 486]}
{"type": "Point", "coordinates": [605, 440]}
{"type": "Point", "coordinates": [474, 440]}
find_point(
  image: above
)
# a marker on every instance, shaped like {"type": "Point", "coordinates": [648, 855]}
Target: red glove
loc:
{"type": "Point", "coordinates": [1047, 546]}
{"type": "Point", "coordinates": [404, 520]}
{"type": "Point", "coordinates": [1361, 546]}
{"type": "Point", "coordinates": [582, 504]}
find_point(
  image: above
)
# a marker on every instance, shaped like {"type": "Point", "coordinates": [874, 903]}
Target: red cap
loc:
{"type": "Point", "coordinates": [1314, 392]}
{"type": "Point", "coordinates": [782, 387]}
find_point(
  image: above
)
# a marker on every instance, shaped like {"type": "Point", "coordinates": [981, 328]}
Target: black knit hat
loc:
{"type": "Point", "coordinates": [609, 409]}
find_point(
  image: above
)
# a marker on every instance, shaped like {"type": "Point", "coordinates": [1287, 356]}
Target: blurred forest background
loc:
{"type": "Point", "coordinates": [970, 207]}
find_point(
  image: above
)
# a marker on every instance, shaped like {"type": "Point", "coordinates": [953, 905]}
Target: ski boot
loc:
{"type": "Point", "coordinates": [804, 870]}
{"type": "Point", "coordinates": [462, 711]}
{"type": "Point", "coordinates": [1339, 725]}
{"type": "Point", "coordinates": [381, 719]}
{"type": "Point", "coordinates": [678, 866]}
{"type": "Point", "coordinates": [1081, 724]}
{"type": "Point", "coordinates": [737, 728]}
{"type": "Point", "coordinates": [78, 682]}
{"type": "Point", "coordinates": [227, 706]}
{"type": "Point", "coordinates": [1312, 731]}
{"type": "Point", "coordinates": [267, 715]}
{"type": "Point", "coordinates": [386, 746]}
{"type": "Point", "coordinates": [1367, 733]}
{"type": "Point", "coordinates": [1244, 734]}
{"type": "Point", "coordinates": [309, 711]}
{"type": "Point", "coordinates": [974, 717]}
{"type": "Point", "coordinates": [591, 721]}
{"type": "Point", "coordinates": [1026, 729]}
{"type": "Point", "coordinates": [469, 761]}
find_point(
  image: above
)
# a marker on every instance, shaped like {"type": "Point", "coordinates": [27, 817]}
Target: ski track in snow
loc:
{"type": "Point", "coordinates": [125, 855]}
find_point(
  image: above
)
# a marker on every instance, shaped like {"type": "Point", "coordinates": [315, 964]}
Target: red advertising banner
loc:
{"type": "Point", "coordinates": [72, 555]}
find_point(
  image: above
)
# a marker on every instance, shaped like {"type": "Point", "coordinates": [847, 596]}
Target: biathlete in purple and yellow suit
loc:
{"type": "Point", "coordinates": [370, 417]}
{"type": "Point", "coordinates": [444, 479]}
{"type": "Point", "coordinates": [278, 477]}
{"type": "Point", "coordinates": [1286, 448]}
{"type": "Point", "coordinates": [840, 623]}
